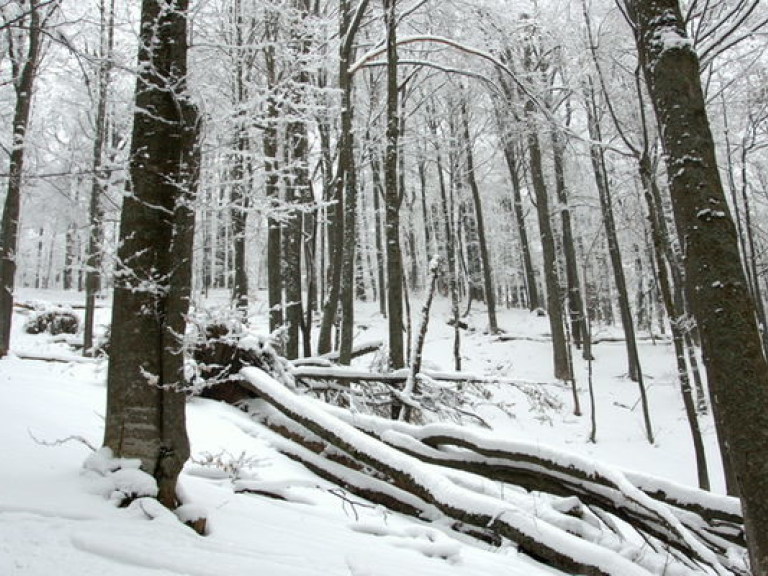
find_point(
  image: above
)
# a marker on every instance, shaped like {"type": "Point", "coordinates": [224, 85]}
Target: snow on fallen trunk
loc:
{"type": "Point", "coordinates": [665, 509]}
{"type": "Point", "coordinates": [532, 533]}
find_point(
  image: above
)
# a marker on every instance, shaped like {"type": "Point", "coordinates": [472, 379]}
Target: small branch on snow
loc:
{"type": "Point", "coordinates": [62, 441]}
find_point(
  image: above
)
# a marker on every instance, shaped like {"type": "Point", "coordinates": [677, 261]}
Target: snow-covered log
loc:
{"type": "Point", "coordinates": [540, 527]}
{"type": "Point", "coordinates": [661, 508]}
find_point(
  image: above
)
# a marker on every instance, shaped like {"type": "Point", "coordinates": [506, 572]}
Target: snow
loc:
{"type": "Point", "coordinates": [58, 513]}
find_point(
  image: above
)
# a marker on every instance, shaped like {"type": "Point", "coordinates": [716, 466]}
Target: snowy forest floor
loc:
{"type": "Point", "coordinates": [55, 519]}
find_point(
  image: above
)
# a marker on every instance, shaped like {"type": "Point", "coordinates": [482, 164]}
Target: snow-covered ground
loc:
{"type": "Point", "coordinates": [55, 518]}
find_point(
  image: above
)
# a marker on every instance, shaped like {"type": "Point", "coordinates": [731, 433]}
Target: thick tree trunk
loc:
{"type": "Point", "coordinates": [716, 284]}
{"type": "Point", "coordinates": [145, 398]}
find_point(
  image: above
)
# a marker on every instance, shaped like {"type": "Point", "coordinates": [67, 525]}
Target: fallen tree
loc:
{"type": "Point", "coordinates": [581, 518]}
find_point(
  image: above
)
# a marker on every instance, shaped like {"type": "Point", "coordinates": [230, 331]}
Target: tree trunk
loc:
{"type": "Point", "coordinates": [678, 335]}
{"type": "Point", "coordinates": [606, 210]}
{"type": "Point", "coordinates": [575, 301]}
{"type": "Point", "coordinates": [378, 193]}
{"type": "Point", "coordinates": [272, 185]}
{"type": "Point", "coordinates": [25, 73]}
{"type": "Point", "coordinates": [562, 367]}
{"type": "Point", "coordinates": [392, 197]}
{"type": "Point", "coordinates": [614, 252]}
{"type": "Point", "coordinates": [488, 292]}
{"type": "Point", "coordinates": [450, 251]}
{"type": "Point", "coordinates": [98, 183]}
{"type": "Point", "coordinates": [716, 284]}
{"type": "Point", "coordinates": [347, 175]}
{"type": "Point", "coordinates": [238, 208]}
{"type": "Point", "coordinates": [517, 202]}
{"type": "Point", "coordinates": [145, 398]}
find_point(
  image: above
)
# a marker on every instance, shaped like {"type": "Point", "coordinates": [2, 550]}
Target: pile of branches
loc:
{"type": "Point", "coordinates": [570, 513]}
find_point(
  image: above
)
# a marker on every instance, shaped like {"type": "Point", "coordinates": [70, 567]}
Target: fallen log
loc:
{"type": "Point", "coordinates": [538, 530]}
{"type": "Point", "coordinates": [715, 519]}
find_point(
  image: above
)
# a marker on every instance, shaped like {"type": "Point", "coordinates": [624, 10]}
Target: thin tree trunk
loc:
{"type": "Point", "coordinates": [450, 251]}
{"type": "Point", "coordinates": [678, 332]}
{"type": "Point", "coordinates": [562, 369]}
{"type": "Point", "coordinates": [517, 202]}
{"type": "Point", "coordinates": [392, 197]}
{"type": "Point", "coordinates": [606, 209]}
{"type": "Point", "coordinates": [378, 192]}
{"type": "Point", "coordinates": [488, 292]}
{"type": "Point", "coordinates": [95, 211]}
{"type": "Point", "coordinates": [575, 301]}
{"type": "Point", "coordinates": [24, 73]}
{"type": "Point", "coordinates": [271, 167]}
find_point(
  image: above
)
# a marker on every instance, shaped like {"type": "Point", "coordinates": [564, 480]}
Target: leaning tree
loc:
{"type": "Point", "coordinates": [717, 288]}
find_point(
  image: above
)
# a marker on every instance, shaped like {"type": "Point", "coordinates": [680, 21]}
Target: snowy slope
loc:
{"type": "Point", "coordinates": [55, 519]}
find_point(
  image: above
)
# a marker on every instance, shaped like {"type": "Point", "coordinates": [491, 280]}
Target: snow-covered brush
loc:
{"type": "Point", "coordinates": [220, 346]}
{"type": "Point", "coordinates": [53, 321]}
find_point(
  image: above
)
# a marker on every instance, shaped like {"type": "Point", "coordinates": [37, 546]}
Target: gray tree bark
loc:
{"type": "Point", "coordinates": [716, 284]}
{"type": "Point", "coordinates": [392, 196]}
{"type": "Point", "coordinates": [145, 416]}
{"type": "Point", "coordinates": [98, 182]}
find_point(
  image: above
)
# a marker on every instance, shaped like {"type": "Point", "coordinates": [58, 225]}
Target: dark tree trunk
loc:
{"type": "Point", "coordinates": [678, 333]}
{"type": "Point", "coordinates": [488, 292]}
{"type": "Point", "coordinates": [347, 175]}
{"type": "Point", "coordinates": [392, 196]}
{"type": "Point", "coordinates": [272, 185]}
{"type": "Point", "coordinates": [575, 301]}
{"type": "Point", "coordinates": [562, 366]}
{"type": "Point", "coordinates": [606, 211]}
{"type": "Point", "coordinates": [238, 209]}
{"type": "Point", "coordinates": [298, 195]}
{"type": "Point", "coordinates": [145, 398]}
{"type": "Point", "coordinates": [716, 284]}
{"type": "Point", "coordinates": [517, 202]}
{"type": "Point", "coordinates": [98, 183]}
{"type": "Point", "coordinates": [24, 73]}
{"type": "Point", "coordinates": [378, 193]}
